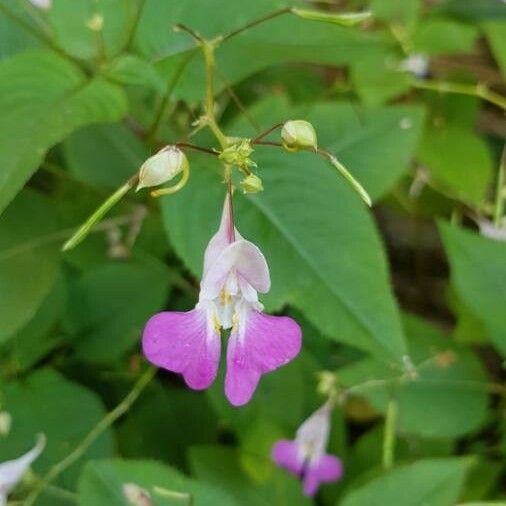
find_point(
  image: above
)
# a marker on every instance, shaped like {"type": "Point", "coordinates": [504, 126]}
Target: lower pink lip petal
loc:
{"type": "Point", "coordinates": [327, 468]}
{"type": "Point", "coordinates": [285, 453]}
{"type": "Point", "coordinates": [268, 342]}
{"type": "Point", "coordinates": [179, 342]}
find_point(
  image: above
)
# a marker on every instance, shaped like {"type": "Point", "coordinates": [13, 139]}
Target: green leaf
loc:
{"type": "Point", "coordinates": [433, 481]}
{"type": "Point", "coordinates": [459, 161]}
{"type": "Point", "coordinates": [436, 35]}
{"type": "Point", "coordinates": [13, 38]}
{"type": "Point", "coordinates": [473, 10]}
{"type": "Point", "coordinates": [130, 69]}
{"type": "Point", "coordinates": [319, 240]}
{"type": "Point", "coordinates": [29, 259]}
{"type": "Point", "coordinates": [105, 155]}
{"type": "Point", "coordinates": [401, 12]}
{"type": "Point", "coordinates": [64, 411]}
{"type": "Point", "coordinates": [496, 35]}
{"type": "Point", "coordinates": [71, 25]}
{"type": "Point", "coordinates": [182, 411]}
{"type": "Point", "coordinates": [43, 98]}
{"type": "Point", "coordinates": [478, 274]}
{"type": "Point", "coordinates": [102, 483]}
{"type": "Point", "coordinates": [109, 306]}
{"type": "Point", "coordinates": [450, 379]}
{"type": "Point", "coordinates": [221, 466]}
{"type": "Point", "coordinates": [343, 19]}
{"type": "Point", "coordinates": [39, 336]}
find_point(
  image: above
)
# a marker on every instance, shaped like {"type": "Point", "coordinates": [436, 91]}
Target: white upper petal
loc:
{"type": "Point", "coordinates": [313, 435]}
{"type": "Point", "coordinates": [241, 258]}
{"type": "Point", "coordinates": [12, 471]}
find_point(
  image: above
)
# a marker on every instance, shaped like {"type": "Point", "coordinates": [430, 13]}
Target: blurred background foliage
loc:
{"type": "Point", "coordinates": [410, 102]}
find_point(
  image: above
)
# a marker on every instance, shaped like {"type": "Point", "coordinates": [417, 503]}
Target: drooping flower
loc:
{"type": "Point", "coordinates": [12, 471]}
{"type": "Point", "coordinates": [189, 343]}
{"type": "Point", "coordinates": [306, 456]}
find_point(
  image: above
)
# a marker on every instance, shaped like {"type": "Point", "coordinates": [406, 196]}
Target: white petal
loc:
{"type": "Point", "coordinates": [223, 237]}
{"type": "Point", "coordinates": [12, 471]}
{"type": "Point", "coordinates": [246, 260]}
{"type": "Point", "coordinates": [313, 435]}
{"type": "Point", "coordinates": [43, 4]}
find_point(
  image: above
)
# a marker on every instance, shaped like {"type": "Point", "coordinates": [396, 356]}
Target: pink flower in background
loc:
{"type": "Point", "coordinates": [306, 457]}
{"type": "Point", "coordinates": [189, 343]}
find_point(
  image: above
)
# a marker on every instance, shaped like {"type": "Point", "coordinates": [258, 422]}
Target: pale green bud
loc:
{"type": "Point", "coordinates": [251, 184]}
{"type": "Point", "coordinates": [298, 134]}
{"type": "Point", "coordinates": [162, 167]}
{"type": "Point", "coordinates": [5, 423]}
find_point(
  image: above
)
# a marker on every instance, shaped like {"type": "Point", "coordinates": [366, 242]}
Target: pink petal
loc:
{"type": "Point", "coordinates": [261, 344]}
{"type": "Point", "coordinates": [285, 454]}
{"type": "Point", "coordinates": [243, 257]}
{"type": "Point", "coordinates": [183, 343]}
{"type": "Point", "coordinates": [326, 468]}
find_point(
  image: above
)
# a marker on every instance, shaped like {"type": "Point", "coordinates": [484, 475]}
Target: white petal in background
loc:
{"type": "Point", "coordinates": [12, 471]}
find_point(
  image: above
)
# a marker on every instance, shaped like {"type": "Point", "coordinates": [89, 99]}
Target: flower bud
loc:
{"type": "Point", "coordinates": [42, 4]}
{"type": "Point", "coordinates": [5, 423]}
{"type": "Point", "coordinates": [298, 134]}
{"type": "Point", "coordinates": [162, 167]}
{"type": "Point", "coordinates": [252, 184]}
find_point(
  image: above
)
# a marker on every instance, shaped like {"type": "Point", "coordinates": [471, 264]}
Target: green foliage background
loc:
{"type": "Point", "coordinates": [80, 110]}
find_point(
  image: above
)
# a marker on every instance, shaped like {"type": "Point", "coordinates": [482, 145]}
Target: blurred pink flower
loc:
{"type": "Point", "coordinates": [189, 343]}
{"type": "Point", "coordinates": [306, 456]}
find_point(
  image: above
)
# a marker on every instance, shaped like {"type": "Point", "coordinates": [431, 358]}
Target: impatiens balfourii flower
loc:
{"type": "Point", "coordinates": [189, 343]}
{"type": "Point", "coordinates": [12, 471]}
{"type": "Point", "coordinates": [306, 456]}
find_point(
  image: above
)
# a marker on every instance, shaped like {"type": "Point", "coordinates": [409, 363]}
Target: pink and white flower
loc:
{"type": "Point", "coordinates": [12, 471]}
{"type": "Point", "coordinates": [189, 343]}
{"type": "Point", "coordinates": [306, 456]}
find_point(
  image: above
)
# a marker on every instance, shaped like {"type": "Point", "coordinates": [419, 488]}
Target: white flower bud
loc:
{"type": "Point", "coordinates": [5, 423]}
{"type": "Point", "coordinates": [298, 134]}
{"type": "Point", "coordinates": [135, 495]}
{"type": "Point", "coordinates": [162, 167]}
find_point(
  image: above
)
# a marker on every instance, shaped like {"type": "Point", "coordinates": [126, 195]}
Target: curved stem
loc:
{"type": "Point", "coordinates": [86, 227]}
{"type": "Point", "coordinates": [389, 433]}
{"type": "Point", "coordinates": [476, 90]}
{"type": "Point", "coordinates": [106, 422]}
{"type": "Point", "coordinates": [185, 175]}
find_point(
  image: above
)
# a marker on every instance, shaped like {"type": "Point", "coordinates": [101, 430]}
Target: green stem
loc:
{"type": "Point", "coordinates": [476, 90]}
{"type": "Point", "coordinates": [133, 27]}
{"type": "Point", "coordinates": [106, 422]}
{"type": "Point", "coordinates": [153, 131]}
{"type": "Point", "coordinates": [255, 22]}
{"type": "Point", "coordinates": [86, 227]}
{"type": "Point", "coordinates": [208, 50]}
{"type": "Point", "coordinates": [389, 434]}
{"type": "Point", "coordinates": [171, 494]}
{"type": "Point", "coordinates": [500, 190]}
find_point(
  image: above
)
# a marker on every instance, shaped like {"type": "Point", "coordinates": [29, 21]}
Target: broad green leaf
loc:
{"type": "Point", "coordinates": [41, 334]}
{"type": "Point", "coordinates": [104, 154]}
{"type": "Point", "coordinates": [221, 466]}
{"type": "Point", "coordinates": [109, 306]}
{"type": "Point", "coordinates": [400, 12]}
{"type": "Point", "coordinates": [318, 238]}
{"type": "Point", "coordinates": [434, 482]}
{"type": "Point", "coordinates": [473, 10]}
{"type": "Point", "coordinates": [478, 272]}
{"type": "Point", "coordinates": [378, 79]}
{"type": "Point", "coordinates": [436, 35]}
{"type": "Point", "coordinates": [64, 411]}
{"type": "Point", "coordinates": [450, 380]}
{"type": "Point", "coordinates": [182, 411]}
{"type": "Point", "coordinates": [376, 145]}
{"type": "Point", "coordinates": [43, 98]}
{"type": "Point", "coordinates": [496, 35]}
{"type": "Point", "coordinates": [459, 161]}
{"type": "Point", "coordinates": [29, 259]}
{"type": "Point", "coordinates": [72, 25]}
{"type": "Point", "coordinates": [13, 38]}
{"type": "Point", "coordinates": [102, 484]}
{"type": "Point", "coordinates": [130, 69]}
